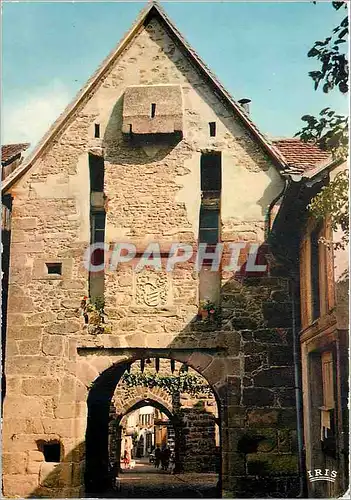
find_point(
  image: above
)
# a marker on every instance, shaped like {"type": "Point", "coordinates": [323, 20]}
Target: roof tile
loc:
{"type": "Point", "coordinates": [301, 155]}
{"type": "Point", "coordinates": [8, 151]}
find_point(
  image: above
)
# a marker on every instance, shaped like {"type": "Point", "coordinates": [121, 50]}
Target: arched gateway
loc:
{"type": "Point", "coordinates": [152, 150]}
{"type": "Point", "coordinates": [99, 413]}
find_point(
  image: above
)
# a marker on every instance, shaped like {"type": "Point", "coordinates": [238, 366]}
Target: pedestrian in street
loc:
{"type": "Point", "coordinates": [157, 457]}
{"type": "Point", "coordinates": [126, 459]}
{"type": "Point", "coordinates": [165, 456]}
{"type": "Point", "coordinates": [172, 463]}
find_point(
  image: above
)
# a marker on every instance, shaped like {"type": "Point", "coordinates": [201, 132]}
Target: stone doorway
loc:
{"type": "Point", "coordinates": [122, 434]}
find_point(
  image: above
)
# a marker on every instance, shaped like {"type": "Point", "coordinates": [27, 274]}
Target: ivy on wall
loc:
{"type": "Point", "coordinates": [184, 382]}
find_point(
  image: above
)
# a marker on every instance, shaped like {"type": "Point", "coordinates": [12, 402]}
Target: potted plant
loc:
{"type": "Point", "coordinates": [207, 309]}
{"type": "Point", "coordinates": [94, 316]}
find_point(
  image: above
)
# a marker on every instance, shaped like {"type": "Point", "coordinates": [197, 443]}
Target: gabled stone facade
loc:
{"type": "Point", "coordinates": [57, 374]}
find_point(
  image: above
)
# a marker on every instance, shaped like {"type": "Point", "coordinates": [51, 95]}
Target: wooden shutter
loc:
{"type": "Point", "coordinates": [328, 380]}
{"type": "Point", "coordinates": [305, 281]}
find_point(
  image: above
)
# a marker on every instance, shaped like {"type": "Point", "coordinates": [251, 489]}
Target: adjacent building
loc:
{"type": "Point", "coordinates": [320, 277]}
{"type": "Point", "coordinates": [11, 158]}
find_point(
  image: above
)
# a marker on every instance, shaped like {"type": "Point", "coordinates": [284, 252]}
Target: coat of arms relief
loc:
{"type": "Point", "coordinates": [151, 289]}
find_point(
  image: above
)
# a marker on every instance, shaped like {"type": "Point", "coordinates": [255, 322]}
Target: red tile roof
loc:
{"type": "Point", "coordinates": [8, 151]}
{"type": "Point", "coordinates": [302, 155]}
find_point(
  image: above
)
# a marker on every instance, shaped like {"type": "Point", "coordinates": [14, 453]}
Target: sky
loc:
{"type": "Point", "coordinates": [258, 50]}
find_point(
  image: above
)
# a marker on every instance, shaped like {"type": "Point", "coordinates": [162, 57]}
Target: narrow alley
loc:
{"type": "Point", "coordinates": [145, 481]}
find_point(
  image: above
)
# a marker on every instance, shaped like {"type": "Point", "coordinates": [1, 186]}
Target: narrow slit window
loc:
{"type": "Point", "coordinates": [98, 236]}
{"type": "Point", "coordinates": [211, 172]}
{"type": "Point", "coordinates": [209, 226]}
{"type": "Point", "coordinates": [96, 168]}
{"type": "Point", "coordinates": [99, 227]}
{"type": "Point", "coordinates": [97, 130]}
{"type": "Point", "coordinates": [153, 110]}
{"type": "Point", "coordinates": [54, 268]}
{"type": "Point", "coordinates": [130, 128]}
{"type": "Point", "coordinates": [212, 126]}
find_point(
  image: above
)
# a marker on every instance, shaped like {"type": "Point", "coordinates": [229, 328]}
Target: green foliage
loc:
{"type": "Point", "coordinates": [333, 203]}
{"type": "Point", "coordinates": [94, 316]}
{"type": "Point", "coordinates": [186, 383]}
{"type": "Point", "coordinates": [99, 303]}
{"type": "Point", "coordinates": [334, 64]}
{"type": "Point", "coordinates": [330, 131]}
{"type": "Point", "coordinates": [210, 309]}
{"type": "Point", "coordinates": [208, 305]}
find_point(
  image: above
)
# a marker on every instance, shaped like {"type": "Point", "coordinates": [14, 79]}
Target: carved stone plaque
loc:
{"type": "Point", "coordinates": [151, 289]}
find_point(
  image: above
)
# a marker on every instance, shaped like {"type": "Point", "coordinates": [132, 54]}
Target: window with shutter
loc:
{"type": "Point", "coordinates": [315, 275]}
{"type": "Point", "coordinates": [328, 426]}
{"type": "Point", "coordinates": [328, 379]}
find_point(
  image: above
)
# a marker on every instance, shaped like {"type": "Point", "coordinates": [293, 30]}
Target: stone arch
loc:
{"type": "Point", "coordinates": [101, 391]}
{"type": "Point", "coordinates": [137, 394]}
{"type": "Point", "coordinates": [135, 405]}
{"type": "Point", "coordinates": [212, 368]}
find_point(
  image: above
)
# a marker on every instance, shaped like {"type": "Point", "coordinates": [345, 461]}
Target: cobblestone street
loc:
{"type": "Point", "coordinates": [144, 481]}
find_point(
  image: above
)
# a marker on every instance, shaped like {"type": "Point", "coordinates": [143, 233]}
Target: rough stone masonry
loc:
{"type": "Point", "coordinates": [152, 193]}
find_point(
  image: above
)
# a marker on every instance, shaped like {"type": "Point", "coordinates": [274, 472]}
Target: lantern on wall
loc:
{"type": "Point", "coordinates": [172, 365]}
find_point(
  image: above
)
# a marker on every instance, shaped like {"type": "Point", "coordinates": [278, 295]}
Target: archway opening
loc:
{"type": "Point", "coordinates": [146, 426]}
{"type": "Point", "coordinates": [192, 417]}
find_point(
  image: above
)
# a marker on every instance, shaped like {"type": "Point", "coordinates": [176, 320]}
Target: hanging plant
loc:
{"type": "Point", "coordinates": [190, 384]}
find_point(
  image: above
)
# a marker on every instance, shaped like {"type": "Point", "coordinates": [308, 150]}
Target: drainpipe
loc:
{"type": "Point", "coordinates": [271, 205]}
{"type": "Point", "coordinates": [298, 391]}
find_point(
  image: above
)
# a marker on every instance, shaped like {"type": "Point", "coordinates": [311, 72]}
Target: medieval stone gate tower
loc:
{"type": "Point", "coordinates": [152, 150]}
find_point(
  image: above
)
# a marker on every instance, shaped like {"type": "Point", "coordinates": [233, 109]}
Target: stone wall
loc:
{"type": "Point", "coordinates": [153, 193]}
{"type": "Point", "coordinates": [198, 451]}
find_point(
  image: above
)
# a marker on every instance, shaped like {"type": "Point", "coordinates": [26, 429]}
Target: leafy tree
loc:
{"type": "Point", "coordinates": [333, 202]}
{"type": "Point", "coordinates": [330, 130]}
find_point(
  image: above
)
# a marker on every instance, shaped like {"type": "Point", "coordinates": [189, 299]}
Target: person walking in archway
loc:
{"type": "Point", "coordinates": [165, 456]}
{"type": "Point", "coordinates": [126, 459]}
{"type": "Point", "coordinates": [157, 457]}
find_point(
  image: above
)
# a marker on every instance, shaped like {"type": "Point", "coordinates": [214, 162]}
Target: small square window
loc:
{"type": "Point", "coordinates": [54, 268]}
{"type": "Point", "coordinates": [52, 452]}
{"type": "Point", "coordinates": [50, 449]}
